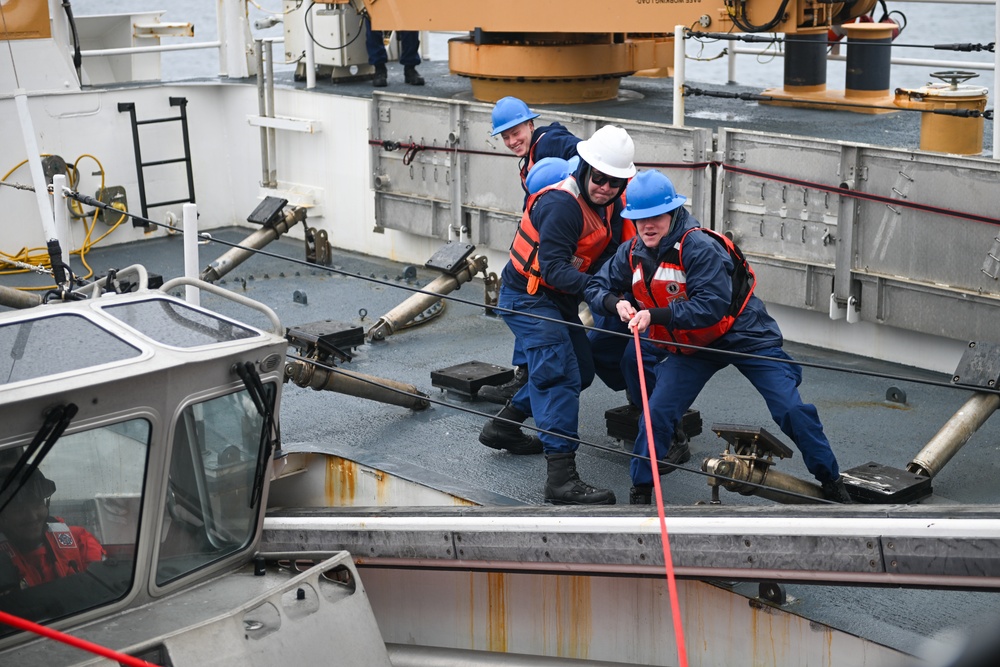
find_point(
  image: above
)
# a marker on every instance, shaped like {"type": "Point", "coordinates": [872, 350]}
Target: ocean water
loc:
{"type": "Point", "coordinates": [927, 24]}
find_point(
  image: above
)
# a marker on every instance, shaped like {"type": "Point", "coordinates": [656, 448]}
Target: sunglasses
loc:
{"type": "Point", "coordinates": [599, 179]}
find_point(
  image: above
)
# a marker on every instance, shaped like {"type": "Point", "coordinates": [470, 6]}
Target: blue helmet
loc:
{"type": "Point", "coordinates": [548, 171]}
{"type": "Point", "coordinates": [650, 194]}
{"type": "Point", "coordinates": [509, 112]}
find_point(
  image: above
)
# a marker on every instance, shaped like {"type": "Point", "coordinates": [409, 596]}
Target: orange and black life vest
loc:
{"type": "Point", "coordinates": [65, 550]}
{"type": "Point", "coordinates": [594, 237]}
{"type": "Point", "coordinates": [669, 283]}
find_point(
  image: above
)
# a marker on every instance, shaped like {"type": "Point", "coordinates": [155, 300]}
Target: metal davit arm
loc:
{"type": "Point", "coordinates": [979, 367]}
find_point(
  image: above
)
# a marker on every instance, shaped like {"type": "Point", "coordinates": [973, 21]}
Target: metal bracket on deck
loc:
{"type": "Point", "coordinates": [468, 378]}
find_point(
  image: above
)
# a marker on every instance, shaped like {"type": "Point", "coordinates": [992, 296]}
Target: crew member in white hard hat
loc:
{"type": "Point", "coordinates": [566, 232]}
{"type": "Point", "coordinates": [677, 282]}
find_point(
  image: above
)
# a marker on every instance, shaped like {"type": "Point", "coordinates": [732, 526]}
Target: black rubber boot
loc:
{"type": "Point", "coordinates": [501, 435]}
{"type": "Point", "coordinates": [640, 495]}
{"type": "Point", "coordinates": [411, 76]}
{"type": "Point", "coordinates": [679, 453]}
{"type": "Point", "coordinates": [381, 78]}
{"type": "Point", "coordinates": [836, 491]}
{"type": "Point", "coordinates": [502, 393]}
{"type": "Point", "coordinates": [564, 486]}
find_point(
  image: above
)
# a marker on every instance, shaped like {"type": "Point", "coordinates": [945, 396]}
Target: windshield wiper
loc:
{"type": "Point", "coordinates": [56, 421]}
{"type": "Point", "coordinates": [270, 437]}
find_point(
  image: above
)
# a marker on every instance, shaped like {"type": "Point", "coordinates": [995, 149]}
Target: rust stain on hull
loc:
{"type": "Point", "coordinates": [341, 478]}
{"type": "Point", "coordinates": [497, 611]}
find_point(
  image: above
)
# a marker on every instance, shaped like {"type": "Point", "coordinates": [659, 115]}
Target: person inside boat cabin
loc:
{"type": "Point", "coordinates": [409, 56]}
{"type": "Point", "coordinates": [36, 548]}
{"type": "Point", "coordinates": [566, 232]}
{"type": "Point", "coordinates": [677, 282]}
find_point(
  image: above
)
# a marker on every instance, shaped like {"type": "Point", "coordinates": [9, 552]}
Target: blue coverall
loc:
{"type": "Point", "coordinates": [674, 380]}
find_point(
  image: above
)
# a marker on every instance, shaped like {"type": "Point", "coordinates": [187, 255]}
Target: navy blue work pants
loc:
{"type": "Point", "coordinates": [559, 365]}
{"type": "Point", "coordinates": [409, 53]}
{"type": "Point", "coordinates": [606, 349]}
{"type": "Point", "coordinates": [675, 380]}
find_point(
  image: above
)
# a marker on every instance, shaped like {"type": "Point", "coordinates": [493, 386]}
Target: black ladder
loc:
{"type": "Point", "coordinates": [140, 165]}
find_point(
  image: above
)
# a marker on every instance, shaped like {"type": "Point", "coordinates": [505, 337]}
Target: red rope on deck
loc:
{"type": "Point", "coordinates": [668, 562]}
{"type": "Point", "coordinates": [76, 642]}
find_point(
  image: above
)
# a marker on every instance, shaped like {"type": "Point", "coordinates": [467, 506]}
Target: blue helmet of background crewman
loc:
{"type": "Point", "coordinates": [549, 171]}
{"type": "Point", "coordinates": [509, 112]}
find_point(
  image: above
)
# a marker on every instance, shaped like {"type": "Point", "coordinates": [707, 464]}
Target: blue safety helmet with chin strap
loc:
{"type": "Point", "coordinates": [549, 171]}
{"type": "Point", "coordinates": [650, 194]}
{"type": "Point", "coordinates": [509, 112]}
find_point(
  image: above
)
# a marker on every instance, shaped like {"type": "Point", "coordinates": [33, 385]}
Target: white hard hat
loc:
{"type": "Point", "coordinates": [610, 151]}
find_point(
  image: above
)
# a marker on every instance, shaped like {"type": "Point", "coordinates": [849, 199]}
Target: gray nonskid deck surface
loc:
{"type": "Point", "coordinates": [441, 442]}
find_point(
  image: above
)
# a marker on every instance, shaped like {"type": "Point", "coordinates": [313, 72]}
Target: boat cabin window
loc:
{"type": "Point", "coordinates": [32, 355]}
{"type": "Point", "coordinates": [68, 530]}
{"type": "Point", "coordinates": [176, 324]}
{"type": "Point", "coordinates": [211, 510]}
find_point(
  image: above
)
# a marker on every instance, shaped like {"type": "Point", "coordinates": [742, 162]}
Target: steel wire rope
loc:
{"type": "Point", "coordinates": [390, 145]}
{"type": "Point", "coordinates": [38, 258]}
{"type": "Point", "coordinates": [757, 97]}
{"type": "Point", "coordinates": [417, 290]}
{"type": "Point", "coordinates": [735, 37]}
{"type": "Point", "coordinates": [618, 451]}
{"type": "Point", "coordinates": [855, 194]}
{"type": "Point", "coordinates": [386, 283]}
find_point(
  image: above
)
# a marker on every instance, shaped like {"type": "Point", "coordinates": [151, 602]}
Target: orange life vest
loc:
{"type": "Point", "coordinates": [65, 550]}
{"type": "Point", "coordinates": [628, 226]}
{"type": "Point", "coordinates": [669, 283]}
{"type": "Point", "coordinates": [594, 237]}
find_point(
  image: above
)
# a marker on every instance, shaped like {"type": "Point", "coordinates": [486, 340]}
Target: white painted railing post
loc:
{"type": "Point", "coordinates": [35, 164]}
{"type": "Point", "coordinates": [61, 215]}
{"type": "Point", "coordinates": [679, 51]}
{"type": "Point", "coordinates": [190, 222]}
